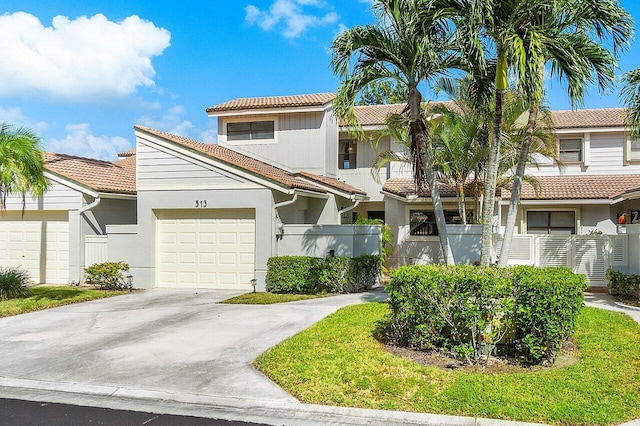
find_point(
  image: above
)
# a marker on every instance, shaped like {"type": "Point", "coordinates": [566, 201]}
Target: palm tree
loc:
{"type": "Point", "coordinates": [409, 44]}
{"type": "Point", "coordinates": [521, 36]}
{"type": "Point", "coordinates": [457, 152]}
{"type": "Point", "coordinates": [631, 98]}
{"type": "Point", "coordinates": [21, 164]}
{"type": "Point", "coordinates": [569, 37]}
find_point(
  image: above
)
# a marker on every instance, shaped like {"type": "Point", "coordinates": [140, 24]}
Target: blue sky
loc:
{"type": "Point", "coordinates": [103, 66]}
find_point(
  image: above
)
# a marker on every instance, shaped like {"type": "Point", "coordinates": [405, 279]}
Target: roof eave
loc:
{"type": "Point", "coordinates": [270, 110]}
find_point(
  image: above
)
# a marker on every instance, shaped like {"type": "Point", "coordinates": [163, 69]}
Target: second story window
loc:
{"type": "Point", "coordinates": [634, 153]}
{"type": "Point", "coordinates": [571, 150]}
{"type": "Point", "coordinates": [347, 154]}
{"type": "Point", "coordinates": [251, 130]}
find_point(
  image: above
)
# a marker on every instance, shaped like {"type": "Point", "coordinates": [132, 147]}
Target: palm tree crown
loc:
{"type": "Point", "coordinates": [21, 163]}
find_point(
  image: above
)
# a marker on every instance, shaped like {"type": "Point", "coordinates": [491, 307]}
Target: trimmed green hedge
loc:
{"type": "Point", "coordinates": [470, 311]}
{"type": "Point", "coordinates": [312, 275]}
{"type": "Point", "coordinates": [625, 285]}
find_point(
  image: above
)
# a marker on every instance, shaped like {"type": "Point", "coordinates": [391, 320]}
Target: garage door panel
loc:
{"type": "Point", "coordinates": [214, 249]}
{"type": "Point", "coordinates": [39, 243]}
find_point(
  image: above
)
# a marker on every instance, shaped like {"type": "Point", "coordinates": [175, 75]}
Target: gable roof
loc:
{"type": "Point", "coordinates": [404, 187]}
{"type": "Point", "coordinates": [589, 118]}
{"type": "Point", "coordinates": [551, 188]}
{"type": "Point", "coordinates": [98, 175]}
{"type": "Point", "coordinates": [256, 167]}
{"type": "Point", "coordinates": [334, 183]}
{"type": "Point", "coordinates": [375, 115]}
{"type": "Point", "coordinates": [310, 100]}
{"type": "Point", "coordinates": [578, 187]}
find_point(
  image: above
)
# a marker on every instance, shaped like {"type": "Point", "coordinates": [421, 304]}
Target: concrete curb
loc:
{"type": "Point", "coordinates": [240, 409]}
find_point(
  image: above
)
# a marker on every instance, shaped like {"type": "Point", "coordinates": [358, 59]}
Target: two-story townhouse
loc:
{"type": "Point", "coordinates": [586, 195]}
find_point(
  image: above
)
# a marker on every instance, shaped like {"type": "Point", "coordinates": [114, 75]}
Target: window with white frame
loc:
{"type": "Point", "coordinates": [347, 154]}
{"type": "Point", "coordinates": [551, 222]}
{"type": "Point", "coordinates": [250, 130]}
{"type": "Point", "coordinates": [571, 150]}
{"type": "Point", "coordinates": [423, 222]}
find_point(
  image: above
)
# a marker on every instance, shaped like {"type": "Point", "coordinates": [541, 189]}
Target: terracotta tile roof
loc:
{"type": "Point", "coordinates": [578, 187]}
{"type": "Point", "coordinates": [127, 153]}
{"type": "Point", "coordinates": [102, 176]}
{"type": "Point", "coordinates": [317, 99]}
{"type": "Point", "coordinates": [375, 115]}
{"type": "Point", "coordinates": [404, 187]}
{"type": "Point", "coordinates": [244, 162]}
{"type": "Point", "coordinates": [334, 183]}
{"type": "Point", "coordinates": [589, 118]}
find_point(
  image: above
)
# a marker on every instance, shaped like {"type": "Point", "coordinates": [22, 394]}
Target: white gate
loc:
{"type": "Point", "coordinates": [590, 255]}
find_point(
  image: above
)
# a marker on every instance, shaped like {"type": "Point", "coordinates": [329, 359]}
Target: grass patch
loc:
{"type": "Point", "coordinates": [337, 362]}
{"type": "Point", "coordinates": [263, 298]}
{"type": "Point", "coordinates": [50, 297]}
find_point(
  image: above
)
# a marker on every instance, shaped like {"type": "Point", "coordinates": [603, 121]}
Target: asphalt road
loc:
{"type": "Point", "coordinates": [26, 413]}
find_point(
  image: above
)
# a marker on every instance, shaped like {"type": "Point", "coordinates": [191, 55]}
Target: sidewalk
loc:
{"type": "Point", "coordinates": [605, 301]}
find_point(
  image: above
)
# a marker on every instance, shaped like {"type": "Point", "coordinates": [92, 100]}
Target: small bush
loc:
{"type": "Point", "coordinates": [625, 285]}
{"type": "Point", "coordinates": [292, 274]}
{"type": "Point", "coordinates": [108, 275]}
{"type": "Point", "coordinates": [14, 283]}
{"type": "Point", "coordinates": [469, 311]}
{"type": "Point", "coordinates": [312, 275]}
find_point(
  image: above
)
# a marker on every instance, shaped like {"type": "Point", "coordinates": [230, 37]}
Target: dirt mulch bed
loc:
{"type": "Point", "coordinates": [569, 355]}
{"type": "Point", "coordinates": [627, 301]}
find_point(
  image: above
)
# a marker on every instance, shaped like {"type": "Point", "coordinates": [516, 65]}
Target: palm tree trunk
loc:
{"type": "Point", "coordinates": [490, 182]}
{"type": "Point", "coordinates": [502, 85]}
{"type": "Point", "coordinates": [516, 189]}
{"type": "Point", "coordinates": [423, 167]}
{"type": "Point", "coordinates": [462, 208]}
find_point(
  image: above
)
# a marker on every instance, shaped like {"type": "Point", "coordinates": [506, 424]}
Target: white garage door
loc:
{"type": "Point", "coordinates": [37, 242]}
{"type": "Point", "coordinates": [206, 248]}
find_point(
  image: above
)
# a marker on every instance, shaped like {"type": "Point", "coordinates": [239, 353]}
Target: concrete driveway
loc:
{"type": "Point", "coordinates": [176, 343]}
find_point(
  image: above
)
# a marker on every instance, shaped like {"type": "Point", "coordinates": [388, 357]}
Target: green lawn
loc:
{"type": "Point", "coordinates": [337, 362]}
{"type": "Point", "coordinates": [50, 297]}
{"type": "Point", "coordinates": [262, 298]}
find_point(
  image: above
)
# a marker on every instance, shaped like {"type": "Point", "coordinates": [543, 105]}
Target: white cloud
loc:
{"type": "Point", "coordinates": [292, 15]}
{"type": "Point", "coordinates": [171, 121]}
{"type": "Point", "coordinates": [80, 141]}
{"type": "Point", "coordinates": [15, 116]}
{"type": "Point", "coordinates": [80, 58]}
{"type": "Point", "coordinates": [209, 136]}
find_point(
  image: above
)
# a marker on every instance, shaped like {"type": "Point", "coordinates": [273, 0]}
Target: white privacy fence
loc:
{"type": "Point", "coordinates": [590, 255]}
{"type": "Point", "coordinates": [95, 249]}
{"type": "Point", "coordinates": [320, 240]}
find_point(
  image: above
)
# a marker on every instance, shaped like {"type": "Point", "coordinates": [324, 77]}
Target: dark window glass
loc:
{"type": "Point", "coordinates": [375, 215]}
{"type": "Point", "coordinates": [250, 130]}
{"type": "Point", "coordinates": [347, 155]}
{"type": "Point", "coordinates": [551, 222]}
{"type": "Point", "coordinates": [423, 222]}
{"type": "Point", "coordinates": [571, 150]}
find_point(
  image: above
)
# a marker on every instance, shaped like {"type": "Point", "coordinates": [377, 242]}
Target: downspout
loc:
{"type": "Point", "coordinates": [348, 209]}
{"type": "Point", "coordinates": [81, 212]}
{"type": "Point", "coordinates": [279, 224]}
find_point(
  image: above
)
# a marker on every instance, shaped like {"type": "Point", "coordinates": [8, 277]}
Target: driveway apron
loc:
{"type": "Point", "coordinates": [173, 341]}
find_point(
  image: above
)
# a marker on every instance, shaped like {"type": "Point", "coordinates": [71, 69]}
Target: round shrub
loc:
{"type": "Point", "coordinates": [471, 311]}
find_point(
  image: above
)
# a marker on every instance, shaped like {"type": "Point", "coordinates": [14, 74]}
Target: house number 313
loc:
{"type": "Point", "coordinates": [201, 204]}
